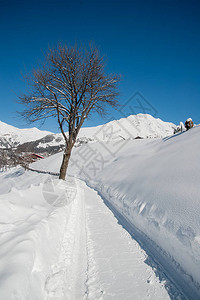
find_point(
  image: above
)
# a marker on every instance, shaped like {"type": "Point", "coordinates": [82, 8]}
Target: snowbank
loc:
{"type": "Point", "coordinates": [31, 233]}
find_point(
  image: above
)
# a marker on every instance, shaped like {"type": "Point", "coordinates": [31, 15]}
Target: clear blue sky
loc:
{"type": "Point", "coordinates": [154, 45]}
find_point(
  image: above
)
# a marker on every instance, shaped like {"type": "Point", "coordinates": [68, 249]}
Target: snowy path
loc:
{"type": "Point", "coordinates": [116, 263]}
{"type": "Point", "coordinates": [71, 252]}
{"type": "Point", "coordinates": [99, 259]}
{"type": "Point", "coordinates": [67, 278]}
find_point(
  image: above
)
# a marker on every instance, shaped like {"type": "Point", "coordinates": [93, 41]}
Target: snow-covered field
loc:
{"type": "Point", "coordinates": [133, 234]}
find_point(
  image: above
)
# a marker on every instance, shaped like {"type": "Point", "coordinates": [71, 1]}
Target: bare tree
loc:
{"type": "Point", "coordinates": [70, 85]}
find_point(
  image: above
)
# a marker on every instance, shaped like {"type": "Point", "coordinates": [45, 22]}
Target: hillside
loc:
{"type": "Point", "coordinates": [154, 184]}
{"type": "Point", "coordinates": [142, 125]}
{"type": "Point", "coordinates": [15, 144]}
{"type": "Point", "coordinates": [134, 233]}
{"type": "Point", "coordinates": [11, 136]}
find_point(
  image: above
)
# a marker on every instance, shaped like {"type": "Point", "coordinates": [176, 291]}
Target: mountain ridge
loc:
{"type": "Point", "coordinates": [15, 136]}
{"type": "Point", "coordinates": [15, 141]}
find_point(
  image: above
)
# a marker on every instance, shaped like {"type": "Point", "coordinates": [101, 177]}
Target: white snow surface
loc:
{"type": "Point", "coordinates": [154, 184]}
{"type": "Point", "coordinates": [143, 125]}
{"type": "Point", "coordinates": [59, 241]}
{"type": "Point", "coordinates": [140, 125]}
{"type": "Point", "coordinates": [20, 136]}
{"type": "Point", "coordinates": [134, 126]}
{"type": "Point", "coordinates": [66, 240]}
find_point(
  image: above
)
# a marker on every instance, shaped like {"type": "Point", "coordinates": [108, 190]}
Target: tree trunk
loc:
{"type": "Point", "coordinates": [65, 162]}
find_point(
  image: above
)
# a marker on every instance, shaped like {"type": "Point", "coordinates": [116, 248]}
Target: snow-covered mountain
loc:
{"type": "Point", "coordinates": [47, 143]}
{"type": "Point", "coordinates": [140, 125]}
{"type": "Point", "coordinates": [134, 126]}
{"type": "Point", "coordinates": [12, 136]}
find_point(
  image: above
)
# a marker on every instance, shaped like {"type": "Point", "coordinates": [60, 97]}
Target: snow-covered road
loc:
{"type": "Point", "coordinates": [98, 257]}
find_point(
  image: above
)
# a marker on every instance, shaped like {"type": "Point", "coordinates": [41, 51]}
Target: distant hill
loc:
{"type": "Point", "coordinates": [13, 136]}
{"type": "Point", "coordinates": [23, 141]}
{"type": "Point", "coordinates": [134, 126]}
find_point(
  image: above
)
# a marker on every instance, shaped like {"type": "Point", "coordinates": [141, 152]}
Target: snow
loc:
{"type": "Point", "coordinates": [68, 250]}
{"type": "Point", "coordinates": [116, 268]}
{"type": "Point", "coordinates": [154, 184]}
{"type": "Point", "coordinates": [31, 234]}
{"type": "Point", "coordinates": [143, 125]}
{"type": "Point", "coordinates": [50, 144]}
{"type": "Point", "coordinates": [20, 136]}
{"type": "Point", "coordinates": [189, 119]}
{"type": "Point", "coordinates": [133, 232]}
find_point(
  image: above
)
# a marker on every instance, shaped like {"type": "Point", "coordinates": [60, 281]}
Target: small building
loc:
{"type": "Point", "coordinates": [35, 156]}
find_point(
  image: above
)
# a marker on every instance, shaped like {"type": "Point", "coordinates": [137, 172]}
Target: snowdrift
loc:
{"type": "Point", "coordinates": [155, 185]}
{"type": "Point", "coordinates": [31, 234]}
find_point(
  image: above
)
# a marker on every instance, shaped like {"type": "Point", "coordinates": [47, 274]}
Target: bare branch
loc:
{"type": "Point", "coordinates": [69, 86]}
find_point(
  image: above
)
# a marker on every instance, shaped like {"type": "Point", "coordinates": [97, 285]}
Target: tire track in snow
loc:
{"type": "Point", "coordinates": [61, 283]}
{"type": "Point", "coordinates": [92, 284]}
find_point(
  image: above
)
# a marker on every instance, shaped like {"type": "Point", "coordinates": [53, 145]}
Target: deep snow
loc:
{"type": "Point", "coordinates": [52, 236]}
{"type": "Point", "coordinates": [56, 244]}
{"type": "Point", "coordinates": [155, 185]}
